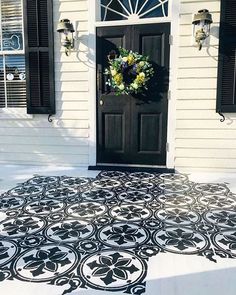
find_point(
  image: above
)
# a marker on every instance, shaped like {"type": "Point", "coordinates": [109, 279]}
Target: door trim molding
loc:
{"type": "Point", "coordinates": [171, 125]}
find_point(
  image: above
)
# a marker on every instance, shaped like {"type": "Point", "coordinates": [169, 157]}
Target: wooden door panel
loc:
{"type": "Point", "coordinates": [113, 111]}
{"type": "Point", "coordinates": [148, 45]}
{"type": "Point", "coordinates": [149, 126]}
{"type": "Point", "coordinates": [113, 130]}
{"type": "Point", "coordinates": [133, 129]}
{"type": "Point", "coordinates": [108, 39]}
{"type": "Point", "coordinates": [149, 112]}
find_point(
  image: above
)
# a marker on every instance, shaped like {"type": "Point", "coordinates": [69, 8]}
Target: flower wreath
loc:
{"type": "Point", "coordinates": [129, 72]}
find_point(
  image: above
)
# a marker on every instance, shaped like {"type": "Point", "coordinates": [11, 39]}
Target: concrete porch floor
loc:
{"type": "Point", "coordinates": [167, 273]}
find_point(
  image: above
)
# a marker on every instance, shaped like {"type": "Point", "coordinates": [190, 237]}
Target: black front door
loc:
{"type": "Point", "coordinates": [133, 129]}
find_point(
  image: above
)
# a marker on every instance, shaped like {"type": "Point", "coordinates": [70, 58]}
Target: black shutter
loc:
{"type": "Point", "coordinates": [226, 94]}
{"type": "Point", "coordinates": [38, 16]}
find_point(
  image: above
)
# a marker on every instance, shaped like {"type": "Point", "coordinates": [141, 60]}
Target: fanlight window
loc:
{"type": "Point", "coordinates": [132, 9]}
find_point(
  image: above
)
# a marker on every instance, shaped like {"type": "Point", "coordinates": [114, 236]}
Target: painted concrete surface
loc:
{"type": "Point", "coordinates": [174, 270]}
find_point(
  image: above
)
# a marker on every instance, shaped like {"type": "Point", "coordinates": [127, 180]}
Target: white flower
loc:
{"type": "Point", "coordinates": [141, 63]}
{"type": "Point", "coordinates": [125, 59]}
{"type": "Point", "coordinates": [121, 86]}
{"type": "Point", "coordinates": [113, 72]}
{"type": "Point", "coordinates": [134, 85]}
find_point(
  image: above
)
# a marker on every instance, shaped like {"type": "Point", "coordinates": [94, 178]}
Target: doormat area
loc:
{"type": "Point", "coordinates": [100, 233]}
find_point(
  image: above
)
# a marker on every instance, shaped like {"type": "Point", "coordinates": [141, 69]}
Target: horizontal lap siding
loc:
{"type": "Point", "coordinates": [65, 141]}
{"type": "Point", "coordinates": [202, 142]}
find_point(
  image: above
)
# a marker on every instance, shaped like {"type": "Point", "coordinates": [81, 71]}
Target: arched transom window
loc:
{"type": "Point", "coordinates": [113, 10]}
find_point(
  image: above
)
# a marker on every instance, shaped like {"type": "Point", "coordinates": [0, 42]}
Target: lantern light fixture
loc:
{"type": "Point", "coordinates": [66, 30]}
{"type": "Point", "coordinates": [201, 26]}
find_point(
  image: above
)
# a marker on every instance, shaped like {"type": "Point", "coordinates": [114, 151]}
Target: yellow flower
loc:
{"type": "Point", "coordinates": [118, 78]}
{"type": "Point", "coordinates": [140, 78]}
{"type": "Point", "coordinates": [141, 63]}
{"type": "Point", "coordinates": [130, 59]}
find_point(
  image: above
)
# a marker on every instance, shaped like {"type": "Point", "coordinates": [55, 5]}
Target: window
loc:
{"type": "Point", "coordinates": [226, 92]}
{"type": "Point", "coordinates": [12, 56]}
{"type": "Point", "coordinates": [111, 10]}
{"type": "Point", "coordinates": [26, 57]}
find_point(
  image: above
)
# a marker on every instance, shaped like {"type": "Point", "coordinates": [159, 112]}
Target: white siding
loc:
{"type": "Point", "coordinates": [202, 141]}
{"type": "Point", "coordinates": [66, 140]}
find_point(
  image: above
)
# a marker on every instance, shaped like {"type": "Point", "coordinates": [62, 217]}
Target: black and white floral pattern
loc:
{"type": "Point", "coordinates": [21, 226]}
{"type": "Point", "coordinates": [45, 263]}
{"type": "Point", "coordinates": [100, 233]}
{"type": "Point", "coordinates": [44, 207]}
{"type": "Point", "coordinates": [112, 270]}
{"type": "Point", "coordinates": [222, 218]}
{"type": "Point", "coordinates": [86, 210]}
{"type": "Point", "coordinates": [123, 235]}
{"type": "Point", "coordinates": [226, 241]}
{"type": "Point", "coordinates": [130, 212]}
{"type": "Point", "coordinates": [8, 251]}
{"type": "Point", "coordinates": [180, 240]}
{"type": "Point", "coordinates": [11, 202]}
{"type": "Point", "coordinates": [69, 231]}
{"type": "Point", "coordinates": [176, 200]}
{"type": "Point", "coordinates": [135, 197]}
{"type": "Point", "coordinates": [97, 195]}
{"type": "Point", "coordinates": [177, 216]}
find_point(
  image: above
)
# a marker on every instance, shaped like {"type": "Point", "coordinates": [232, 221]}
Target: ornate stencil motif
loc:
{"type": "Point", "coordinates": [44, 207]}
{"type": "Point", "coordinates": [9, 202]}
{"type": "Point", "coordinates": [132, 9]}
{"type": "Point", "coordinates": [123, 235]}
{"type": "Point", "coordinates": [180, 240]}
{"type": "Point", "coordinates": [100, 233]}
{"type": "Point", "coordinates": [135, 197]}
{"type": "Point", "coordinates": [8, 251]}
{"type": "Point", "coordinates": [112, 270]}
{"type": "Point", "coordinates": [69, 231]}
{"type": "Point", "coordinates": [130, 212]}
{"type": "Point", "coordinates": [21, 226]}
{"type": "Point", "coordinates": [45, 262]}
{"type": "Point", "coordinates": [97, 195]}
{"type": "Point", "coordinates": [86, 210]}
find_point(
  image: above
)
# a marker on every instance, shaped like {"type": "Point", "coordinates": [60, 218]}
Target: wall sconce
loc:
{"type": "Point", "coordinates": [201, 26]}
{"type": "Point", "coordinates": [66, 30]}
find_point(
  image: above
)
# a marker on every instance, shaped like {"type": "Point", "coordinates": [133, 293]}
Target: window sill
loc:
{"type": "Point", "coordinates": [14, 114]}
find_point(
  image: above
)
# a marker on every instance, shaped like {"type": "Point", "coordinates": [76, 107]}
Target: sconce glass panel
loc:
{"type": "Point", "coordinates": [132, 9]}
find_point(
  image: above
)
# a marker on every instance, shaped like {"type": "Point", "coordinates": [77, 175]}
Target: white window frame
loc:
{"type": "Point", "coordinates": [130, 21]}
{"type": "Point", "coordinates": [173, 19]}
{"type": "Point", "coordinates": [12, 113]}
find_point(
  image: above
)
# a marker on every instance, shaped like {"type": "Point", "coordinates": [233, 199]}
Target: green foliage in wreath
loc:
{"type": "Point", "coordinates": [129, 72]}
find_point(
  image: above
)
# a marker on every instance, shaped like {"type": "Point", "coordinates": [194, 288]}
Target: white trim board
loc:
{"type": "Point", "coordinates": [174, 20]}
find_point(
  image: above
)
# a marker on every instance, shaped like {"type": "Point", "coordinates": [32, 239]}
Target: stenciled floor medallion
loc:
{"type": "Point", "coordinates": [83, 233]}
{"type": "Point", "coordinates": [45, 262]}
{"type": "Point", "coordinates": [123, 235]}
{"type": "Point", "coordinates": [112, 270]}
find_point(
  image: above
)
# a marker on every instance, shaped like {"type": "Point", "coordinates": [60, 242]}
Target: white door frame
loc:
{"type": "Point", "coordinates": [92, 25]}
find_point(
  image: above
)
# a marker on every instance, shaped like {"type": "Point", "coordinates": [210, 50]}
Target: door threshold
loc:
{"type": "Point", "coordinates": [131, 168]}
